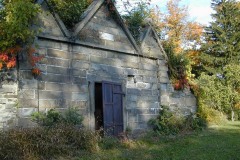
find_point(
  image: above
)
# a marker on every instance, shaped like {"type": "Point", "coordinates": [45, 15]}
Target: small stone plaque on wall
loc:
{"type": "Point", "coordinates": [106, 36]}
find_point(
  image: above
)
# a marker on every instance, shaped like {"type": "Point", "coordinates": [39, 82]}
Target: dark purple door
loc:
{"type": "Point", "coordinates": [112, 108]}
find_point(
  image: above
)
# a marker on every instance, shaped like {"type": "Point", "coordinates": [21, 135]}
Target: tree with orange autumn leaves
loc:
{"type": "Point", "coordinates": [181, 40]}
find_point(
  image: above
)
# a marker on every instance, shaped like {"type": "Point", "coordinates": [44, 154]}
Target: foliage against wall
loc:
{"type": "Point", "coordinates": [70, 11]}
{"type": "Point", "coordinates": [17, 18]}
{"type": "Point", "coordinates": [180, 36]}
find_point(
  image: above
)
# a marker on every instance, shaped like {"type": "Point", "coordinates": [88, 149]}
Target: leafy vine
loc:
{"type": "Point", "coordinates": [17, 18]}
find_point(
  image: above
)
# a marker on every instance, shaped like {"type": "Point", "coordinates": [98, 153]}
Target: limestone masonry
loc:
{"type": "Point", "coordinates": [85, 67]}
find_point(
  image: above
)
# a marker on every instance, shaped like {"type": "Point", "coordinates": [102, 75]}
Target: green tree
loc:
{"type": "Point", "coordinates": [232, 83]}
{"type": "Point", "coordinates": [135, 19]}
{"type": "Point", "coordinates": [222, 37]}
{"type": "Point", "coordinates": [221, 93]}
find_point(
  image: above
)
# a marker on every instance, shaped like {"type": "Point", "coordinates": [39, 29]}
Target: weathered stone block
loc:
{"type": "Point", "coordinates": [148, 60]}
{"type": "Point", "coordinates": [147, 104]}
{"type": "Point", "coordinates": [146, 117]}
{"type": "Point", "coordinates": [131, 85]}
{"type": "Point", "coordinates": [80, 65]}
{"type": "Point", "coordinates": [155, 92]}
{"type": "Point", "coordinates": [149, 66]}
{"type": "Point", "coordinates": [80, 96]}
{"type": "Point", "coordinates": [8, 90]}
{"type": "Point", "coordinates": [54, 95]}
{"type": "Point", "coordinates": [45, 105]}
{"type": "Point", "coordinates": [29, 84]}
{"type": "Point", "coordinates": [163, 86]}
{"type": "Point", "coordinates": [56, 62]}
{"type": "Point", "coordinates": [150, 79]}
{"type": "Point", "coordinates": [149, 51]}
{"type": "Point", "coordinates": [164, 100]}
{"type": "Point", "coordinates": [58, 70]}
{"type": "Point", "coordinates": [27, 103]}
{"type": "Point", "coordinates": [54, 78]}
{"type": "Point", "coordinates": [146, 92]}
{"type": "Point", "coordinates": [53, 44]}
{"type": "Point", "coordinates": [163, 68]}
{"type": "Point", "coordinates": [82, 81]}
{"type": "Point", "coordinates": [129, 71]}
{"type": "Point", "coordinates": [79, 56]}
{"type": "Point", "coordinates": [11, 106]}
{"type": "Point", "coordinates": [164, 80]}
{"type": "Point", "coordinates": [143, 85]}
{"type": "Point", "coordinates": [130, 65]}
{"type": "Point", "coordinates": [191, 101]}
{"type": "Point", "coordinates": [115, 70]}
{"type": "Point", "coordinates": [132, 119]}
{"type": "Point", "coordinates": [26, 112]}
{"type": "Point", "coordinates": [134, 91]}
{"type": "Point", "coordinates": [146, 73]}
{"type": "Point", "coordinates": [58, 54]}
{"type": "Point", "coordinates": [79, 73]}
{"type": "Point", "coordinates": [162, 63]}
{"type": "Point", "coordinates": [26, 94]}
{"type": "Point", "coordinates": [10, 96]}
{"type": "Point", "coordinates": [25, 75]}
{"type": "Point", "coordinates": [133, 125]}
{"type": "Point", "coordinates": [162, 74]}
{"type": "Point", "coordinates": [129, 58]}
{"type": "Point", "coordinates": [3, 101]}
{"type": "Point", "coordinates": [132, 98]}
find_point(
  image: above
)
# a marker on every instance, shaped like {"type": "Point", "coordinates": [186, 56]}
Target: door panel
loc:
{"type": "Point", "coordinates": [107, 93]}
{"type": "Point", "coordinates": [112, 108]}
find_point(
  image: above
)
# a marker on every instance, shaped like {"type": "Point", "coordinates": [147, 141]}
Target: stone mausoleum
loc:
{"type": "Point", "coordinates": [98, 68]}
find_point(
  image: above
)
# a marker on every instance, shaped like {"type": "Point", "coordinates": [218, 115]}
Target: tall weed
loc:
{"type": "Point", "coordinates": [46, 142]}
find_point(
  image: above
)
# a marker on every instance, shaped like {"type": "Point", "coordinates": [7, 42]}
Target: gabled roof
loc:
{"type": "Point", "coordinates": [90, 12]}
{"type": "Point", "coordinates": [86, 17]}
{"type": "Point", "coordinates": [149, 29]}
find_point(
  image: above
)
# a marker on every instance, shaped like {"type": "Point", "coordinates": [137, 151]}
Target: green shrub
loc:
{"type": "Point", "coordinates": [72, 116]}
{"type": "Point", "coordinates": [46, 142]}
{"type": "Point", "coordinates": [109, 142]}
{"type": "Point", "coordinates": [195, 122]}
{"type": "Point", "coordinates": [168, 123]}
{"type": "Point", "coordinates": [70, 11]}
{"type": "Point", "coordinates": [211, 116]}
{"type": "Point", "coordinates": [135, 19]}
{"type": "Point", "coordinates": [53, 117]}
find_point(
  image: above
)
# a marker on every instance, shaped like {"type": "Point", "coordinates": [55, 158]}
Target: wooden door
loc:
{"type": "Point", "coordinates": [112, 108]}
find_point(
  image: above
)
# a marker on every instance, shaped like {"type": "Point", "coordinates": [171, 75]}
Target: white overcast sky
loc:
{"type": "Point", "coordinates": [199, 10]}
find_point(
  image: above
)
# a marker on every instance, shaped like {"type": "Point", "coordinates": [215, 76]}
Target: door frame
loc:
{"type": "Point", "coordinates": [91, 117]}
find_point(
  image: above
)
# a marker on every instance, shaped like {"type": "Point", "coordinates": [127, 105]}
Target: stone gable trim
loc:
{"type": "Point", "coordinates": [90, 12]}
{"type": "Point", "coordinates": [147, 33]}
{"type": "Point", "coordinates": [60, 23]}
{"type": "Point", "coordinates": [66, 40]}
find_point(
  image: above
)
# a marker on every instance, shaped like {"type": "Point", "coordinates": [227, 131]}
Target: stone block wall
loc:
{"type": "Point", "coordinates": [180, 102]}
{"type": "Point", "coordinates": [69, 74]}
{"type": "Point", "coordinates": [102, 50]}
{"type": "Point", "coordinates": [8, 104]}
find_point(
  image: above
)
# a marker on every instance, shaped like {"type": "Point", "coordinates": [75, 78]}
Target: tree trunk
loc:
{"type": "Point", "coordinates": [232, 118]}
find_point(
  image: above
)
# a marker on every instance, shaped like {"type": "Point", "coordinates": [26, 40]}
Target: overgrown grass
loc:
{"type": "Point", "coordinates": [216, 142]}
{"type": "Point", "coordinates": [46, 142]}
{"type": "Point", "coordinates": [67, 142]}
